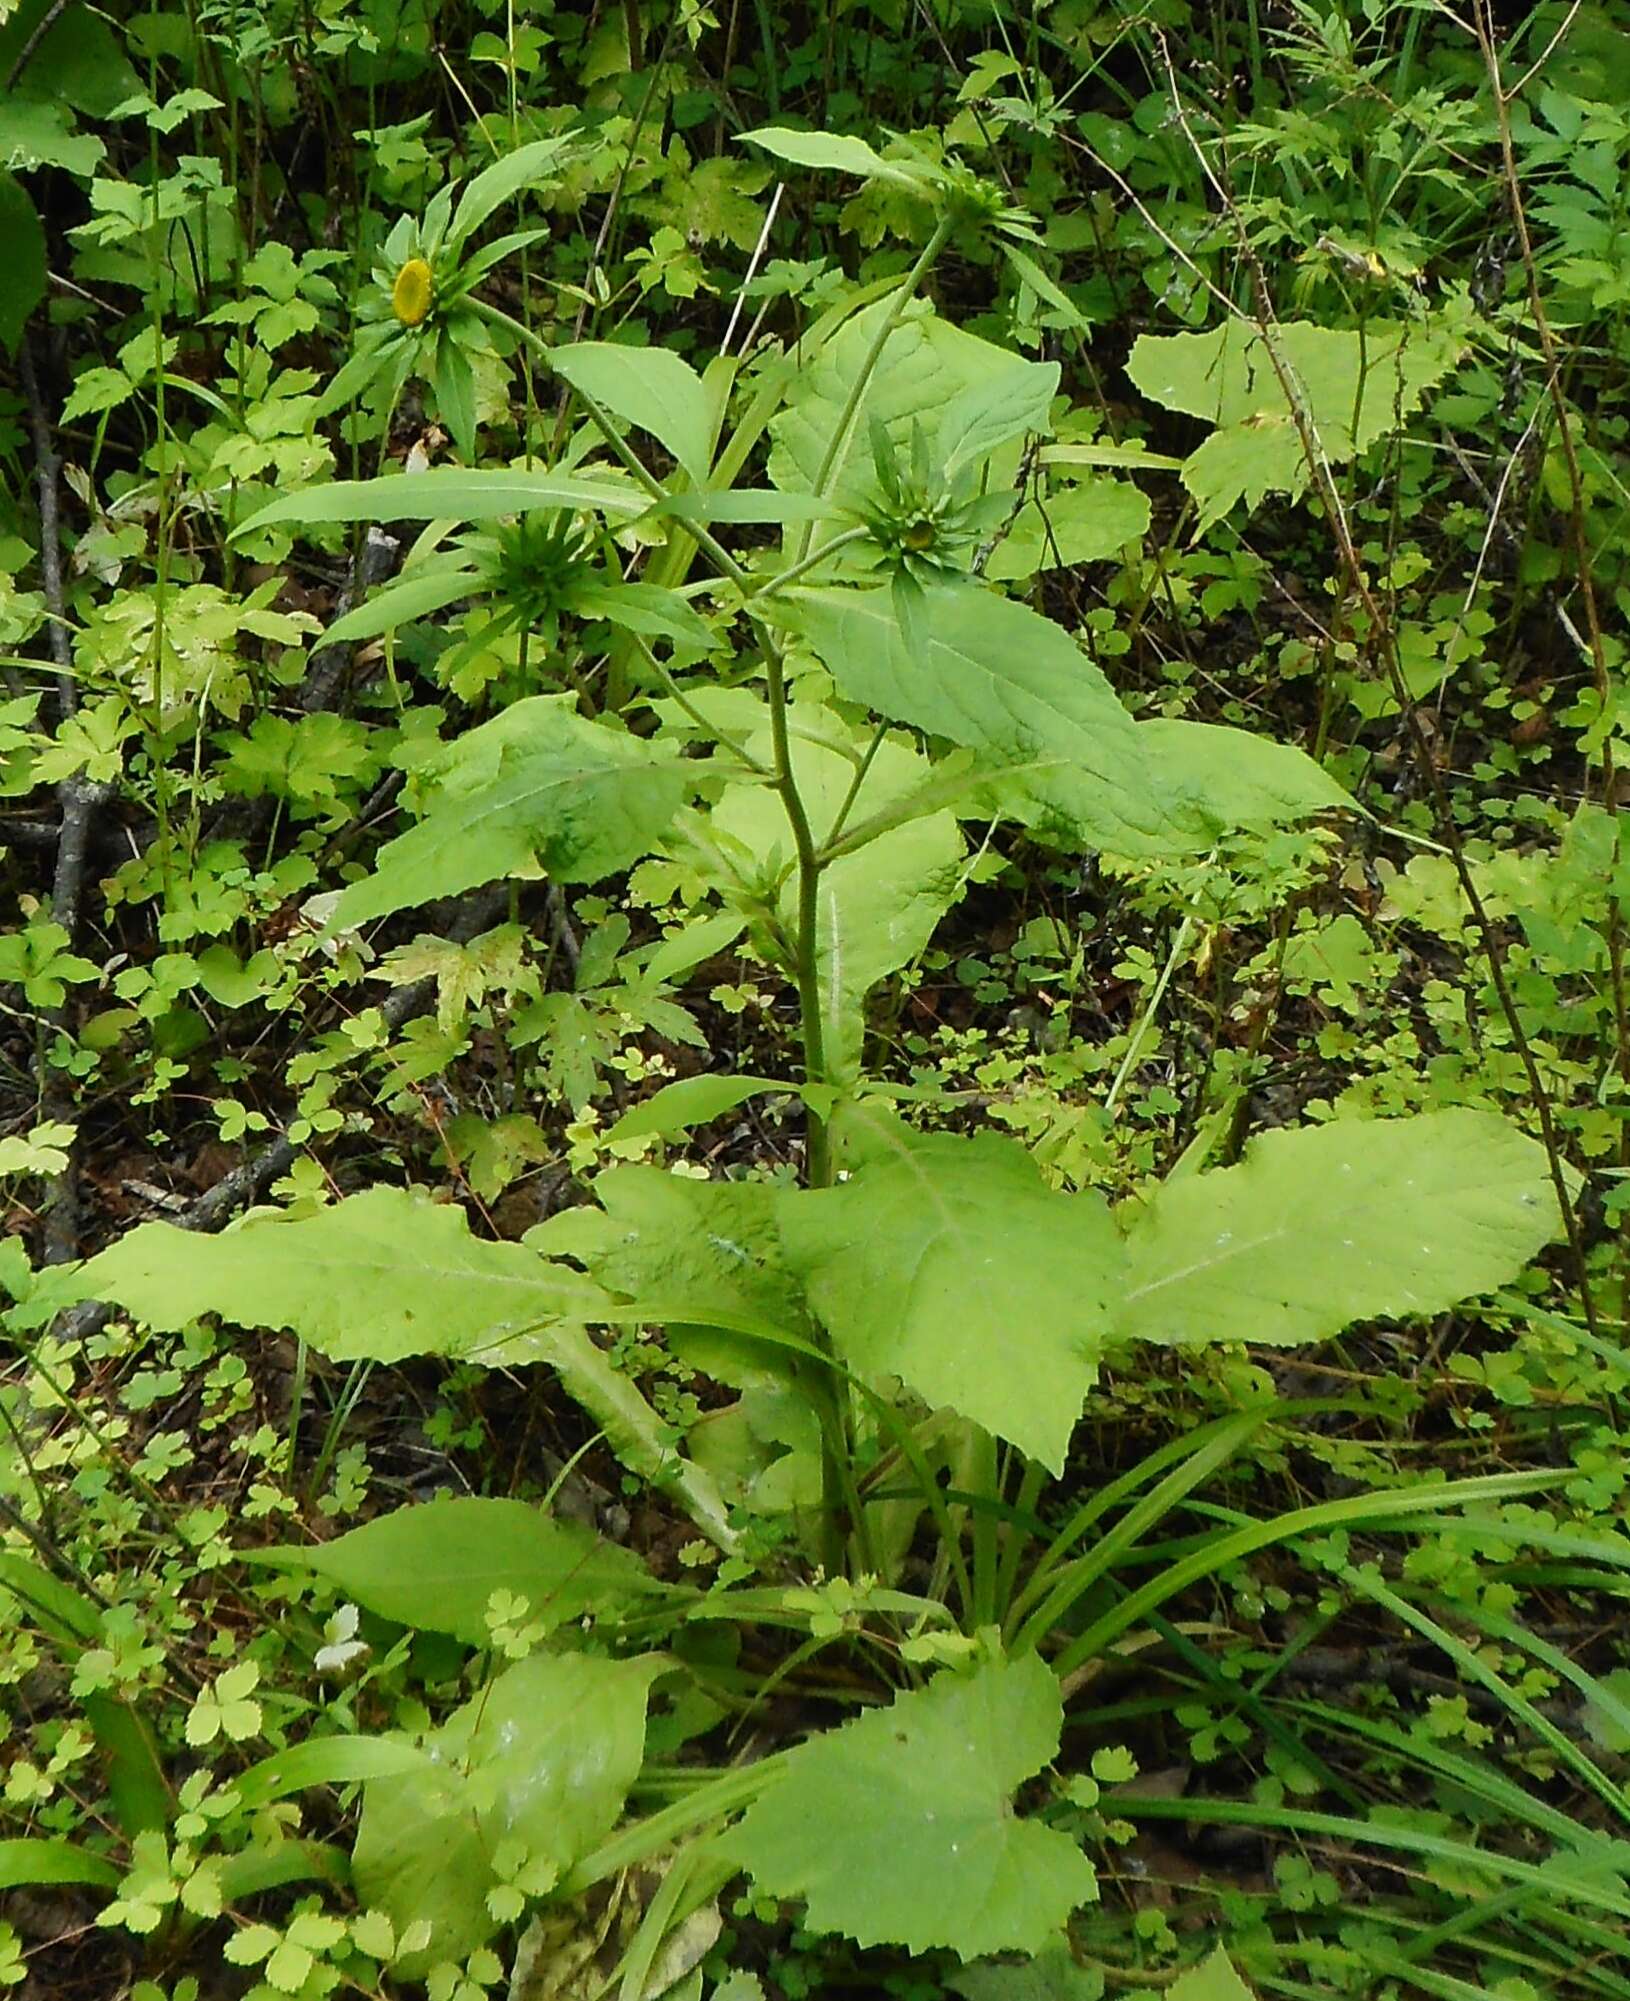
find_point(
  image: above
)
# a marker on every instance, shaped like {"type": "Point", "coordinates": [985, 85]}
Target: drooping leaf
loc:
{"type": "Point", "coordinates": [1351, 387]}
{"type": "Point", "coordinates": [1031, 274]}
{"type": "Point", "coordinates": [378, 1277]}
{"type": "Point", "coordinates": [536, 785]}
{"type": "Point", "coordinates": [1325, 1225]}
{"type": "Point", "coordinates": [435, 1566]}
{"type": "Point", "coordinates": [445, 493]}
{"type": "Point", "coordinates": [898, 1829]}
{"type": "Point", "coordinates": [534, 1769]}
{"type": "Point", "coordinates": [950, 1263]}
{"type": "Point", "coordinates": [650, 387]}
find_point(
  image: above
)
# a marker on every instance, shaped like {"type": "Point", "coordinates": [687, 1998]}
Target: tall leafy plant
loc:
{"type": "Point", "coordinates": [914, 1321]}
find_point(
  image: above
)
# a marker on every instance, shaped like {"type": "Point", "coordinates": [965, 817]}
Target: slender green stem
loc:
{"type": "Point", "coordinates": [781, 578]}
{"type": "Point", "coordinates": [863, 375]}
{"type": "Point", "coordinates": [678, 695]}
{"type": "Point", "coordinates": [855, 784]}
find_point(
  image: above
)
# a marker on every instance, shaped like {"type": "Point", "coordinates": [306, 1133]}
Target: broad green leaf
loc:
{"type": "Point", "coordinates": [378, 1277]}
{"type": "Point", "coordinates": [435, 1566]}
{"type": "Point", "coordinates": [1044, 723]}
{"type": "Point", "coordinates": [898, 1829]}
{"type": "Point", "coordinates": [1013, 687]}
{"type": "Point", "coordinates": [692, 1101]}
{"type": "Point", "coordinates": [1087, 522]}
{"type": "Point", "coordinates": [878, 907]}
{"type": "Point", "coordinates": [534, 1770]}
{"type": "Point", "coordinates": [685, 1250]}
{"type": "Point", "coordinates": [926, 366]}
{"type": "Point", "coordinates": [950, 1263]}
{"type": "Point", "coordinates": [528, 166]}
{"type": "Point", "coordinates": [649, 387]}
{"type": "Point", "coordinates": [994, 409]}
{"type": "Point", "coordinates": [445, 493]}
{"type": "Point", "coordinates": [1235, 778]}
{"type": "Point", "coordinates": [1325, 1225]}
{"type": "Point", "coordinates": [536, 786]}
{"type": "Point", "coordinates": [1352, 388]}
{"type": "Point", "coordinates": [74, 56]}
{"type": "Point", "coordinates": [830, 150]}
{"type": "Point", "coordinates": [22, 256]}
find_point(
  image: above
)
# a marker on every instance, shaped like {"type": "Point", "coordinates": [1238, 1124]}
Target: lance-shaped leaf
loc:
{"type": "Point", "coordinates": [386, 1275]}
{"type": "Point", "coordinates": [538, 785]}
{"type": "Point", "coordinates": [527, 167]}
{"type": "Point", "coordinates": [378, 1277]}
{"type": "Point", "coordinates": [445, 493]}
{"type": "Point", "coordinates": [1325, 1225]}
{"type": "Point", "coordinates": [899, 1828]}
{"type": "Point", "coordinates": [951, 1264]}
{"type": "Point", "coordinates": [436, 1566]}
{"type": "Point", "coordinates": [650, 387]}
{"type": "Point", "coordinates": [831, 150]}
{"type": "Point", "coordinates": [425, 591]}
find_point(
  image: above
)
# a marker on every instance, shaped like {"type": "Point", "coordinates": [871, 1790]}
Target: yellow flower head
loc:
{"type": "Point", "coordinates": [412, 293]}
